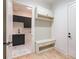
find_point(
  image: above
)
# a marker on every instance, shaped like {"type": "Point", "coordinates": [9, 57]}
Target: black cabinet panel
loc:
{"type": "Point", "coordinates": [25, 20]}
{"type": "Point", "coordinates": [18, 39]}
{"type": "Point", "coordinates": [27, 23]}
{"type": "Point", "coordinates": [18, 18]}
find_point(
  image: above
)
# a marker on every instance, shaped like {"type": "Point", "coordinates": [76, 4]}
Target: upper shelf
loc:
{"type": "Point", "coordinates": [44, 17]}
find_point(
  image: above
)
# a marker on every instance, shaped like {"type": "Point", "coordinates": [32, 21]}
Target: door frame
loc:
{"type": "Point", "coordinates": [33, 27]}
{"type": "Point", "coordinates": [6, 13]}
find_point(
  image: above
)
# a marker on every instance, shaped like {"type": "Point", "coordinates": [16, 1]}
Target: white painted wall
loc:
{"type": "Point", "coordinates": [44, 11]}
{"type": "Point", "coordinates": [59, 28]}
{"type": "Point", "coordinates": [43, 3]}
{"type": "Point", "coordinates": [42, 30]}
{"type": "Point", "coordinates": [25, 2]}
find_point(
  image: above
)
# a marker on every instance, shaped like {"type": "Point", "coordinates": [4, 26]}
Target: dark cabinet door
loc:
{"type": "Point", "coordinates": [18, 18]}
{"type": "Point", "coordinates": [25, 20]}
{"type": "Point", "coordinates": [27, 23]}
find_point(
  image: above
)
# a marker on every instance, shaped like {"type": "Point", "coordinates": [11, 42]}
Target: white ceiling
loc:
{"type": "Point", "coordinates": [48, 3]}
{"type": "Point", "coordinates": [25, 2]}
{"type": "Point", "coordinates": [30, 1]}
{"type": "Point", "coordinates": [44, 1]}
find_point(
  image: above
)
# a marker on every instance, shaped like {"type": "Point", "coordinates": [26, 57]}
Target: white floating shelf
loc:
{"type": "Point", "coordinates": [44, 17]}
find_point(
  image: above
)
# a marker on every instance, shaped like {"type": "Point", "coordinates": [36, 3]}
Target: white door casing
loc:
{"type": "Point", "coordinates": [72, 29]}
{"type": "Point", "coordinates": [33, 27]}
{"type": "Point", "coordinates": [9, 27]}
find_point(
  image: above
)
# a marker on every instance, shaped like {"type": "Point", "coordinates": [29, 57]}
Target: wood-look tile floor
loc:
{"type": "Point", "coordinates": [51, 54]}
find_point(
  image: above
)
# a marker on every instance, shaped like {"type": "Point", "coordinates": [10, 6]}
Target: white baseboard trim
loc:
{"type": "Point", "coordinates": [64, 53]}
{"type": "Point", "coordinates": [61, 51]}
